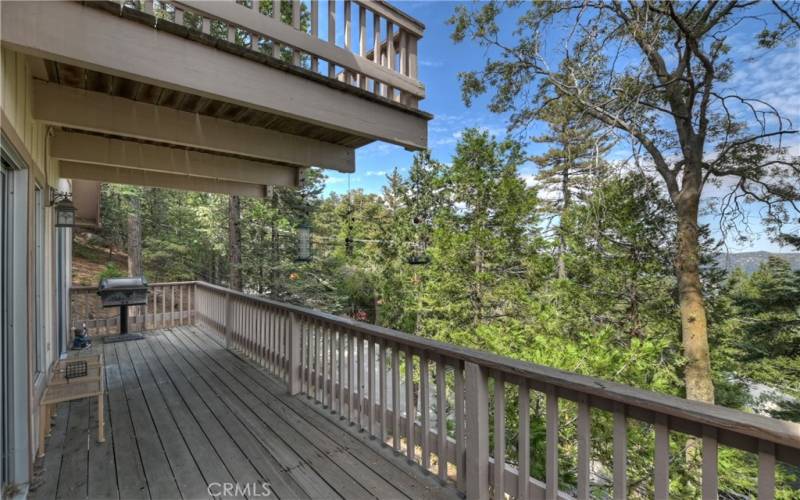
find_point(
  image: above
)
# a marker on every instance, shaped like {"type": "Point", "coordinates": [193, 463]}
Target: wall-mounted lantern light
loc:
{"type": "Point", "coordinates": [65, 210]}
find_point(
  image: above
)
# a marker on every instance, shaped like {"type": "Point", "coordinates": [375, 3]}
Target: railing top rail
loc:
{"type": "Point", "coordinates": [394, 14]}
{"type": "Point", "coordinates": [81, 288]}
{"type": "Point", "coordinates": [756, 426]}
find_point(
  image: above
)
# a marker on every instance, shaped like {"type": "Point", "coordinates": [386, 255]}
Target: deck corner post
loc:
{"type": "Point", "coordinates": [477, 431]}
{"type": "Point", "coordinates": [294, 354]}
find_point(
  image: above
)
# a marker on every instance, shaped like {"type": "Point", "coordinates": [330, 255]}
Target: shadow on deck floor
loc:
{"type": "Point", "coordinates": [184, 413]}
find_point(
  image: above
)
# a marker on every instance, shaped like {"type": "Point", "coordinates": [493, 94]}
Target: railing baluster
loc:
{"type": "Point", "coordinates": [331, 34]}
{"type": "Point", "coordinates": [411, 413]}
{"type": "Point", "coordinates": [499, 435]}
{"type": "Point", "coordinates": [551, 453]}
{"type": "Point", "coordinates": [620, 458]}
{"type": "Point", "coordinates": [276, 14]}
{"type": "Point", "coordinates": [295, 354]}
{"type": "Point", "coordinates": [348, 36]}
{"type": "Point", "coordinates": [314, 32]}
{"type": "Point", "coordinates": [179, 16]}
{"type": "Point", "coordinates": [396, 398]}
{"type": "Point", "coordinates": [524, 440]}
{"type": "Point", "coordinates": [296, 25]}
{"type": "Point", "coordinates": [382, 384]}
{"type": "Point", "coordinates": [376, 49]}
{"type": "Point", "coordinates": [766, 470]}
{"type": "Point", "coordinates": [351, 379]}
{"type": "Point", "coordinates": [584, 447]}
{"type": "Point", "coordinates": [362, 42]}
{"type": "Point", "coordinates": [460, 443]}
{"type": "Point", "coordinates": [371, 382]}
{"type": "Point", "coordinates": [441, 417]}
{"type": "Point", "coordinates": [710, 480]}
{"type": "Point", "coordinates": [325, 379]}
{"type": "Point", "coordinates": [359, 362]}
{"type": "Point", "coordinates": [332, 343]}
{"type": "Point", "coordinates": [425, 396]}
{"type": "Point", "coordinates": [319, 375]}
{"type": "Point", "coordinates": [341, 374]}
{"type": "Point", "coordinates": [390, 55]}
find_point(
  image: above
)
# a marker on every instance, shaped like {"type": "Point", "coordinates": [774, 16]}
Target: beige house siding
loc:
{"type": "Point", "coordinates": [29, 138]}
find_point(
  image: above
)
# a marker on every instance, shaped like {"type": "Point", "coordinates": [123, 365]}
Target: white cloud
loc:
{"type": "Point", "coordinates": [430, 64]}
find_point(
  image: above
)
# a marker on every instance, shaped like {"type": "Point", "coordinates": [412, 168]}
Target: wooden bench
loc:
{"type": "Point", "coordinates": [62, 388]}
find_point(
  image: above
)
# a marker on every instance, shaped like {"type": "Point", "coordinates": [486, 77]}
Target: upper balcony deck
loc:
{"type": "Point", "coordinates": [265, 90]}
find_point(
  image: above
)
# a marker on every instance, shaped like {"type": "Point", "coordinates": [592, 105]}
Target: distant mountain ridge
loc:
{"type": "Point", "coordinates": [749, 261]}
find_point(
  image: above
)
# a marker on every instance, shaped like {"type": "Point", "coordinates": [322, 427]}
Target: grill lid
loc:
{"type": "Point", "coordinates": [107, 284]}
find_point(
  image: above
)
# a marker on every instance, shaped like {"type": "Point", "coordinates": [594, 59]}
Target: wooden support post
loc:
{"type": "Point", "coordinates": [294, 354]}
{"type": "Point", "coordinates": [477, 406]}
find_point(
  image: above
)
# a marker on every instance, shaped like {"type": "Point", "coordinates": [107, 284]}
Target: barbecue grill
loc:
{"type": "Point", "coordinates": [123, 292]}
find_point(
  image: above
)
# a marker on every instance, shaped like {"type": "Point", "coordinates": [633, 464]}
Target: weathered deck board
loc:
{"type": "Point", "coordinates": [72, 480]}
{"type": "Point", "coordinates": [337, 467]}
{"type": "Point", "coordinates": [410, 480]}
{"type": "Point", "coordinates": [182, 412]}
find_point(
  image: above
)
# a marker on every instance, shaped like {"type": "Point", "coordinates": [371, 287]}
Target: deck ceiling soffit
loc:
{"type": "Point", "coordinates": [105, 114]}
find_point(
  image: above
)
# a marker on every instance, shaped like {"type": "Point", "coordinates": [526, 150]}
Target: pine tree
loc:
{"type": "Point", "coordinates": [572, 163]}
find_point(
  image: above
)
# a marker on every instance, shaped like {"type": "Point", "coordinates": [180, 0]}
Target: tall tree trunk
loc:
{"type": "Point", "coordinates": [135, 267]}
{"type": "Point", "coordinates": [697, 374]}
{"type": "Point", "coordinates": [275, 247]}
{"type": "Point", "coordinates": [562, 240]}
{"type": "Point", "coordinates": [234, 243]}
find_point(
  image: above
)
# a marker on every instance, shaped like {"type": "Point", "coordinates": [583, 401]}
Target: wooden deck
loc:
{"type": "Point", "coordinates": [182, 413]}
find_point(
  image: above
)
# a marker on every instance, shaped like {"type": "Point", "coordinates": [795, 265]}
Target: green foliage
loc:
{"type": "Point", "coordinates": [111, 271]}
{"type": "Point", "coordinates": [491, 284]}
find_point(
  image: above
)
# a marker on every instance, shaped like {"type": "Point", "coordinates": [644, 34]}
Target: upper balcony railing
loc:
{"type": "Point", "coordinates": [459, 412]}
{"type": "Point", "coordinates": [382, 60]}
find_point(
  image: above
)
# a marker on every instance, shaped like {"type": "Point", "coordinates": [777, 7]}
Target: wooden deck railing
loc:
{"type": "Point", "coordinates": [388, 70]}
{"type": "Point", "coordinates": [429, 399]}
{"type": "Point", "coordinates": [168, 304]}
{"type": "Point", "coordinates": [441, 406]}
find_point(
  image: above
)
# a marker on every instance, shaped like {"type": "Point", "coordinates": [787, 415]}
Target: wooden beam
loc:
{"type": "Point", "coordinates": [117, 175]}
{"type": "Point", "coordinates": [98, 150]}
{"type": "Point", "coordinates": [78, 34]}
{"type": "Point", "coordinates": [99, 112]}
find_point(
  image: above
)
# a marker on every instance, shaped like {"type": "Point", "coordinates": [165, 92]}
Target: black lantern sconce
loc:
{"type": "Point", "coordinates": [65, 209]}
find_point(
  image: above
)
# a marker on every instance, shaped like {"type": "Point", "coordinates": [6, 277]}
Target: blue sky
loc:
{"type": "Point", "coordinates": [772, 78]}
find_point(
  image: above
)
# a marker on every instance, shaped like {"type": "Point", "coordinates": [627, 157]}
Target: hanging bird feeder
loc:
{"type": "Point", "coordinates": [303, 242]}
{"type": "Point", "coordinates": [419, 255]}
